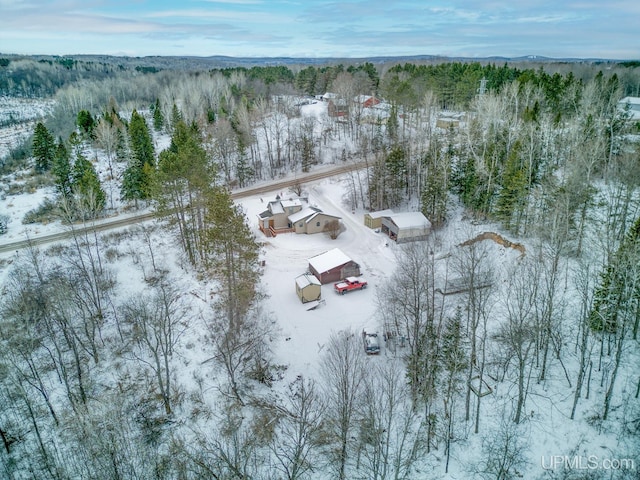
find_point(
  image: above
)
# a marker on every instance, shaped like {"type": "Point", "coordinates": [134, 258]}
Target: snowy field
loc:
{"type": "Point", "coordinates": [302, 334]}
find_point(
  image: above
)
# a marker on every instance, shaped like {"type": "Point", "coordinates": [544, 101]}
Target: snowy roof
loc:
{"type": "Point", "coordinates": [630, 100]}
{"type": "Point", "coordinates": [381, 213]}
{"type": "Point", "coordinates": [292, 202]}
{"type": "Point", "coordinates": [304, 213]}
{"type": "Point", "coordinates": [276, 207]}
{"type": "Point", "coordinates": [328, 260]}
{"type": "Point", "coordinates": [410, 220]}
{"type": "Point", "coordinates": [305, 280]}
{"type": "Point", "coordinates": [634, 106]}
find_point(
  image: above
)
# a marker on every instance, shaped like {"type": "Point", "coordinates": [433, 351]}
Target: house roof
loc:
{"type": "Point", "coordinates": [329, 260]}
{"type": "Point", "coordinates": [309, 219]}
{"type": "Point", "coordinates": [305, 280]}
{"type": "Point", "coordinates": [276, 207]}
{"type": "Point", "coordinates": [634, 106]}
{"type": "Point", "coordinates": [292, 202]}
{"type": "Point", "coordinates": [304, 213]}
{"type": "Point", "coordinates": [410, 220]}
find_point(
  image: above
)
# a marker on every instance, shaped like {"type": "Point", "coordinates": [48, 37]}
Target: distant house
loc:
{"type": "Point", "coordinates": [333, 266]}
{"type": "Point", "coordinates": [633, 106]}
{"type": "Point", "coordinates": [374, 219]}
{"type": "Point", "coordinates": [447, 123]}
{"type": "Point", "coordinates": [311, 220]}
{"type": "Point", "coordinates": [308, 288]}
{"type": "Point", "coordinates": [275, 219]}
{"type": "Point", "coordinates": [338, 108]}
{"type": "Point", "coordinates": [376, 114]}
{"type": "Point", "coordinates": [367, 101]}
{"type": "Point", "coordinates": [406, 227]}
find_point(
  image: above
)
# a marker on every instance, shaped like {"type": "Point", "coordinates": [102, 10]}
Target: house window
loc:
{"type": "Point", "coordinates": [301, 224]}
{"type": "Point", "coordinates": [317, 224]}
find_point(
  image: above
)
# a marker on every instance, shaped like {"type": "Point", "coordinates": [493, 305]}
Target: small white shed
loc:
{"type": "Point", "coordinates": [308, 288]}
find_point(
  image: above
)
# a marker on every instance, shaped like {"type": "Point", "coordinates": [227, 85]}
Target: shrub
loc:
{"type": "Point", "coordinates": [46, 212]}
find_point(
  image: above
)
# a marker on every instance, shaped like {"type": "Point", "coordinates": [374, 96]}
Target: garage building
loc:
{"type": "Point", "coordinates": [333, 266]}
{"type": "Point", "coordinates": [406, 226]}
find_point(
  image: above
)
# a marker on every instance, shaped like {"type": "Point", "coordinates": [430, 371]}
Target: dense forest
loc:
{"type": "Point", "coordinates": [91, 381]}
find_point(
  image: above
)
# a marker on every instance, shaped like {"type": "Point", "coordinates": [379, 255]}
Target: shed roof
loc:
{"type": "Point", "coordinates": [380, 213]}
{"type": "Point", "coordinates": [305, 280]}
{"type": "Point", "coordinates": [329, 260]}
{"type": "Point", "coordinates": [410, 220]}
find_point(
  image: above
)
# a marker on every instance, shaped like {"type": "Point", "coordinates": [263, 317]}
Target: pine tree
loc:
{"type": "Point", "coordinates": [137, 177]}
{"type": "Point", "coordinates": [85, 122]}
{"type": "Point", "coordinates": [140, 140]}
{"type": "Point", "coordinates": [514, 190]}
{"type": "Point", "coordinates": [619, 287]}
{"type": "Point", "coordinates": [235, 252]}
{"type": "Point", "coordinates": [158, 118]}
{"type": "Point", "coordinates": [184, 176]}
{"type": "Point", "coordinates": [176, 116]}
{"type": "Point", "coordinates": [43, 147]}
{"type": "Point", "coordinates": [61, 169]}
{"type": "Point", "coordinates": [90, 197]}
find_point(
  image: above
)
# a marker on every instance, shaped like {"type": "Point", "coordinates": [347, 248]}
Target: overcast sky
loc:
{"type": "Point", "coordinates": [319, 28]}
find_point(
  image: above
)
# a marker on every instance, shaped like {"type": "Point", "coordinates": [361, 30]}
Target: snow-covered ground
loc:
{"type": "Point", "coordinates": [302, 334]}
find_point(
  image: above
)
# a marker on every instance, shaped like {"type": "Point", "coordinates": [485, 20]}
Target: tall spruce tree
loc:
{"type": "Point", "coordinates": [183, 178]}
{"type": "Point", "coordinates": [61, 169]}
{"type": "Point", "coordinates": [137, 177]}
{"type": "Point", "coordinates": [90, 197]}
{"type": "Point", "coordinates": [43, 147]}
{"type": "Point", "coordinates": [158, 117]}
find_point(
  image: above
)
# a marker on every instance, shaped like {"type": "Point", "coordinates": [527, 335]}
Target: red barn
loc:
{"type": "Point", "coordinates": [333, 266]}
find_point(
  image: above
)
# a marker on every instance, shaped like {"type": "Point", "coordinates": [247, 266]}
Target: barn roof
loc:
{"type": "Point", "coordinates": [329, 260]}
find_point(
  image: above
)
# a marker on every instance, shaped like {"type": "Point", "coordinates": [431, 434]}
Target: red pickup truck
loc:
{"type": "Point", "coordinates": [348, 284]}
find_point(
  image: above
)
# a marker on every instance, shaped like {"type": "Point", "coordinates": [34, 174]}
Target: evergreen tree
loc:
{"type": "Point", "coordinates": [176, 116]}
{"type": "Point", "coordinates": [85, 122]}
{"type": "Point", "coordinates": [235, 252]}
{"type": "Point", "coordinates": [140, 140]}
{"type": "Point", "coordinates": [137, 177]}
{"type": "Point", "coordinates": [158, 118]}
{"type": "Point", "coordinates": [183, 177]}
{"type": "Point", "coordinates": [619, 290]}
{"type": "Point", "coordinates": [244, 172]}
{"type": "Point", "coordinates": [61, 169]}
{"type": "Point", "coordinates": [90, 197]}
{"type": "Point", "coordinates": [43, 147]}
{"type": "Point", "coordinates": [513, 194]}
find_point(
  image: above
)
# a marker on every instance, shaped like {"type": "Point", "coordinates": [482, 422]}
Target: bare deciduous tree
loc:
{"type": "Point", "coordinates": [156, 322]}
{"type": "Point", "coordinates": [344, 368]}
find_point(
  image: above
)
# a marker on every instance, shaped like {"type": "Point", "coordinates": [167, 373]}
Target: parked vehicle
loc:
{"type": "Point", "coordinates": [348, 284]}
{"type": "Point", "coordinates": [371, 342]}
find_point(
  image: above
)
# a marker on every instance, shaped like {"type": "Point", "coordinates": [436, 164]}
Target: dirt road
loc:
{"type": "Point", "coordinates": [118, 222]}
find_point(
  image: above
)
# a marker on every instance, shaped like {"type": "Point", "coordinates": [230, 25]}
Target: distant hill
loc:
{"type": "Point", "coordinates": [220, 61]}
